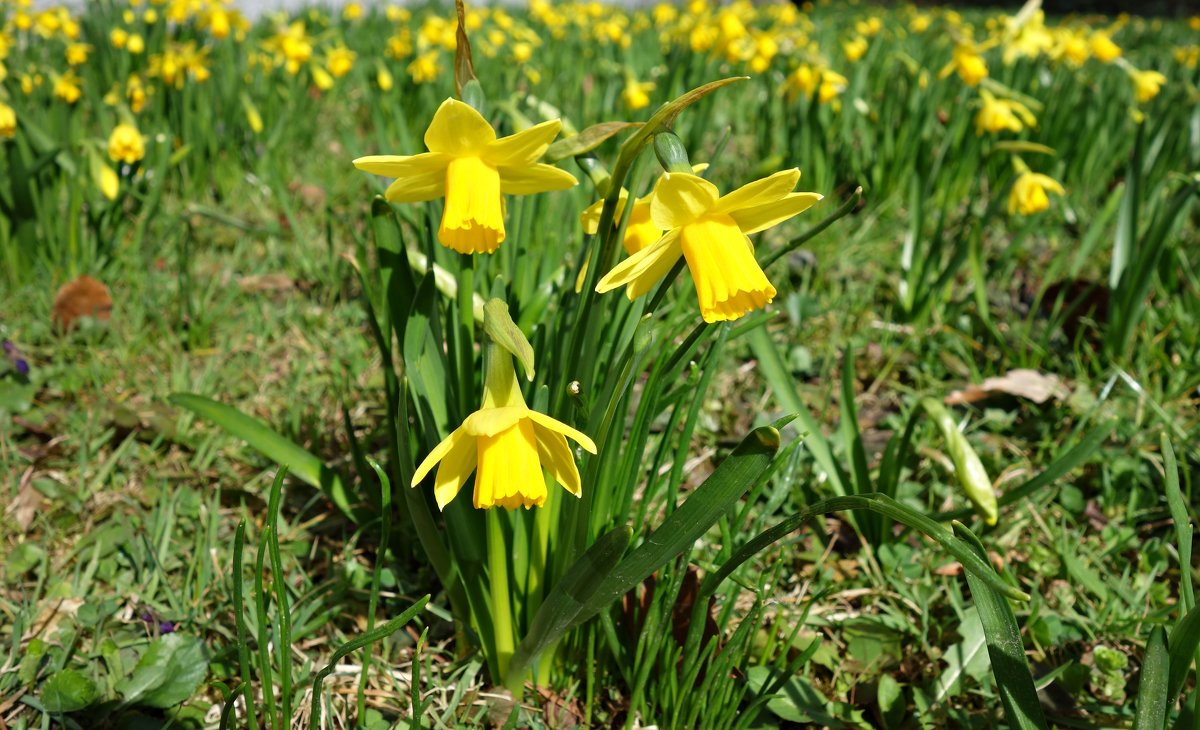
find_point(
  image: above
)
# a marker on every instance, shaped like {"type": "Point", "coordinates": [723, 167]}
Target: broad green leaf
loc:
{"type": "Point", "coordinates": [424, 358]}
{"type": "Point", "coordinates": [1153, 697]}
{"type": "Point", "coordinates": [737, 473]}
{"type": "Point", "coordinates": [586, 141]}
{"type": "Point", "coordinates": [1127, 219]}
{"type": "Point", "coordinates": [275, 447]}
{"type": "Point", "coordinates": [797, 700]}
{"type": "Point", "coordinates": [396, 275]}
{"type": "Point", "coordinates": [170, 671]}
{"type": "Point", "coordinates": [68, 690]}
{"type": "Point", "coordinates": [568, 598]}
{"type": "Point", "coordinates": [1184, 639]}
{"type": "Point", "coordinates": [1181, 518]}
{"type": "Point", "coordinates": [851, 435]}
{"type": "Point", "coordinates": [967, 658]}
{"type": "Point", "coordinates": [1005, 649]}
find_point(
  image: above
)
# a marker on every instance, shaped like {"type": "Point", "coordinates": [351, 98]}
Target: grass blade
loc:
{"type": "Point", "coordinates": [350, 647]}
{"type": "Point", "coordinates": [307, 467]}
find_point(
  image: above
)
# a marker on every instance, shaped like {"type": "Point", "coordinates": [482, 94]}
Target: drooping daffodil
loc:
{"type": "Point", "coordinates": [472, 168]}
{"type": "Point", "coordinates": [996, 115]}
{"type": "Point", "coordinates": [1029, 193]}
{"type": "Point", "coordinates": [505, 445]}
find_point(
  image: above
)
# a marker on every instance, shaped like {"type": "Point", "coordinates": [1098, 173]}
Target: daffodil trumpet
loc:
{"type": "Point", "coordinates": [472, 169]}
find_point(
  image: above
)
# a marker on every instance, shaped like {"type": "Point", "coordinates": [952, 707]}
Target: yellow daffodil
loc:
{"type": "Point", "coordinates": [425, 68]}
{"type": "Point", "coordinates": [1028, 195]}
{"type": "Point", "coordinates": [710, 231]}
{"type": "Point", "coordinates": [339, 61]}
{"type": "Point", "coordinates": [118, 37]}
{"type": "Point", "coordinates": [997, 115]}
{"type": "Point", "coordinates": [1146, 84]}
{"type": "Point", "coordinates": [109, 182]}
{"type": "Point", "coordinates": [1103, 48]}
{"type": "Point", "coordinates": [77, 54]}
{"type": "Point", "coordinates": [66, 87]}
{"type": "Point", "coordinates": [635, 95]}
{"type": "Point", "coordinates": [8, 121]}
{"type": "Point", "coordinates": [506, 445]}
{"type": "Point", "coordinates": [383, 77]}
{"type": "Point", "coordinates": [968, 64]}
{"type": "Point", "coordinates": [855, 49]}
{"type": "Point", "coordinates": [522, 52]}
{"type": "Point", "coordinates": [125, 144]}
{"type": "Point", "coordinates": [640, 231]}
{"type": "Point", "coordinates": [472, 169]}
{"type": "Point", "coordinates": [135, 45]}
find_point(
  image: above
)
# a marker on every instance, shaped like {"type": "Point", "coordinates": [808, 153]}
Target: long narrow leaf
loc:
{"type": "Point", "coordinates": [736, 474]}
{"type": "Point", "coordinates": [1009, 665]}
{"type": "Point", "coordinates": [1153, 697]}
{"type": "Point", "coordinates": [877, 503]}
{"type": "Point", "coordinates": [568, 598]}
{"type": "Point", "coordinates": [307, 467]}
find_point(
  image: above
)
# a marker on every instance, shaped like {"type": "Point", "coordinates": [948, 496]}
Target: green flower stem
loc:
{"type": "Point", "coordinates": [502, 623]}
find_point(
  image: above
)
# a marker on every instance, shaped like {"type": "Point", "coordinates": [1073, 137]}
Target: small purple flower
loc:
{"type": "Point", "coordinates": [167, 627]}
{"type": "Point", "coordinates": [14, 356]}
{"type": "Point", "coordinates": [147, 616]}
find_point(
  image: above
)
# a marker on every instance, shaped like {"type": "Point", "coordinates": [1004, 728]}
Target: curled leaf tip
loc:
{"type": "Point", "coordinates": [768, 436]}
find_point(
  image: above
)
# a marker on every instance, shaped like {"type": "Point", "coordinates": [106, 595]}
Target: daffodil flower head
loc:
{"type": "Point", "coordinates": [710, 232]}
{"type": "Point", "coordinates": [1029, 193]}
{"type": "Point", "coordinates": [1146, 84]}
{"type": "Point", "coordinates": [996, 115]}
{"type": "Point", "coordinates": [641, 230]}
{"type": "Point", "coordinates": [471, 168]}
{"type": "Point", "coordinates": [505, 445]}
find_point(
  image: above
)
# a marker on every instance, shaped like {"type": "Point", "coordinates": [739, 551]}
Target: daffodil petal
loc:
{"type": "Point", "coordinates": [760, 192]}
{"type": "Point", "coordinates": [491, 421]}
{"type": "Point", "coordinates": [558, 426]}
{"type": "Point", "coordinates": [650, 276]}
{"type": "Point", "coordinates": [539, 178]}
{"type": "Point", "coordinates": [645, 262]}
{"type": "Point", "coordinates": [555, 454]}
{"type": "Point", "coordinates": [454, 471]}
{"type": "Point", "coordinates": [439, 452]}
{"type": "Point", "coordinates": [1049, 183]}
{"type": "Point", "coordinates": [680, 198]}
{"type": "Point", "coordinates": [458, 130]}
{"type": "Point", "coordinates": [761, 217]}
{"type": "Point", "coordinates": [524, 147]}
{"type": "Point", "coordinates": [418, 177]}
{"type": "Point", "coordinates": [590, 217]}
